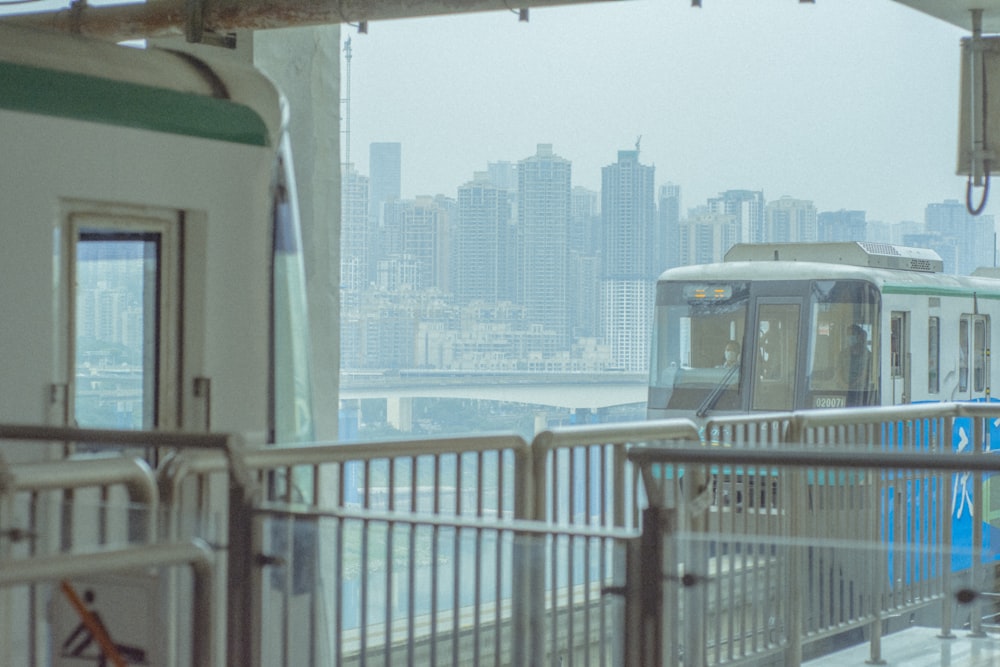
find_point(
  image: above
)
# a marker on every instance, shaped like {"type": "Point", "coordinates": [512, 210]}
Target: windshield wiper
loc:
{"type": "Point", "coordinates": [716, 393]}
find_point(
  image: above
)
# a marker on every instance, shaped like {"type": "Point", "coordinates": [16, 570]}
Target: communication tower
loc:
{"type": "Point", "coordinates": [347, 104]}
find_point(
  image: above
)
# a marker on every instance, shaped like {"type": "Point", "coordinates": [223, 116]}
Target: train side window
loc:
{"type": "Point", "coordinates": [122, 272]}
{"type": "Point", "coordinates": [899, 357]}
{"type": "Point", "coordinates": [896, 346]}
{"type": "Point", "coordinates": [933, 354]}
{"type": "Point", "coordinates": [963, 354]}
{"type": "Point", "coordinates": [979, 348]}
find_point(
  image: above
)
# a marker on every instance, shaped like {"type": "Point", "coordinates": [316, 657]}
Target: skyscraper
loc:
{"type": "Point", "coordinates": [628, 218]}
{"type": "Point", "coordinates": [503, 174]}
{"type": "Point", "coordinates": [668, 244]}
{"type": "Point", "coordinates": [973, 237]}
{"type": "Point", "coordinates": [842, 225]}
{"type": "Point", "coordinates": [747, 208]}
{"type": "Point", "coordinates": [415, 235]}
{"type": "Point", "coordinates": [628, 223]}
{"type": "Point", "coordinates": [585, 263]}
{"type": "Point", "coordinates": [483, 243]}
{"type": "Point", "coordinates": [789, 220]}
{"type": "Point", "coordinates": [385, 167]}
{"type": "Point", "coordinates": [705, 236]}
{"type": "Point", "coordinates": [355, 231]}
{"type": "Point", "coordinates": [544, 187]}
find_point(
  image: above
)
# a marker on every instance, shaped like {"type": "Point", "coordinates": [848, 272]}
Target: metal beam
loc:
{"type": "Point", "coordinates": [171, 19]}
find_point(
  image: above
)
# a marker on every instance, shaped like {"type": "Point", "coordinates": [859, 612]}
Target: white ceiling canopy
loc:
{"type": "Point", "coordinates": [959, 12]}
{"type": "Point", "coordinates": [170, 17]}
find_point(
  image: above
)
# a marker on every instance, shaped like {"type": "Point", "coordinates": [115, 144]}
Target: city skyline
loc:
{"type": "Point", "coordinates": [715, 203]}
{"type": "Point", "coordinates": [523, 273]}
{"type": "Point", "coordinates": [851, 104]}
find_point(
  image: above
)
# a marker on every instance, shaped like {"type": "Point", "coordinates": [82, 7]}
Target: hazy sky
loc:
{"type": "Point", "coordinates": [850, 103]}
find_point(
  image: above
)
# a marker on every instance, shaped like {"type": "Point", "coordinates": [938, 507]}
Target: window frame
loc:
{"type": "Point", "coordinates": [86, 223]}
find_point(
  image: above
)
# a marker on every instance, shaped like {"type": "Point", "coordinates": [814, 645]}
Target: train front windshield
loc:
{"type": "Point", "coordinates": [744, 346]}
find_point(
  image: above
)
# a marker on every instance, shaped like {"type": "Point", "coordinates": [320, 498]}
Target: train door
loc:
{"type": "Point", "coordinates": [123, 300]}
{"type": "Point", "coordinates": [776, 353]}
{"type": "Point", "coordinates": [900, 366]}
{"type": "Point", "coordinates": [973, 360]}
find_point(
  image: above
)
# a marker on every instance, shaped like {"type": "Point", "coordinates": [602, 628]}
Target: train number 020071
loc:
{"type": "Point", "coordinates": [829, 402]}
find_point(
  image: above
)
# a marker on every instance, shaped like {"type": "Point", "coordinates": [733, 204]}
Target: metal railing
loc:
{"type": "Point", "coordinates": [455, 593]}
{"type": "Point", "coordinates": [773, 533]}
{"type": "Point", "coordinates": [91, 513]}
{"type": "Point", "coordinates": [794, 528]}
{"type": "Point", "coordinates": [486, 477]}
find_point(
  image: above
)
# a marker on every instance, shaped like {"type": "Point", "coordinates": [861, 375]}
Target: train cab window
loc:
{"type": "Point", "coordinates": [122, 269]}
{"type": "Point", "coordinates": [776, 353]}
{"type": "Point", "coordinates": [697, 355]}
{"type": "Point", "coordinates": [933, 354]}
{"type": "Point", "coordinates": [842, 360]}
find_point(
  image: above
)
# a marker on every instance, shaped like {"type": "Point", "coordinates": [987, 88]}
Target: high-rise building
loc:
{"type": "Point", "coordinates": [842, 225]}
{"type": "Point", "coordinates": [585, 221]}
{"type": "Point", "coordinates": [385, 169]}
{"type": "Point", "coordinates": [628, 225]}
{"type": "Point", "coordinates": [747, 209]}
{"type": "Point", "coordinates": [503, 174]}
{"type": "Point", "coordinates": [356, 264]}
{"type": "Point", "coordinates": [416, 230]}
{"type": "Point", "coordinates": [880, 232]}
{"type": "Point", "coordinates": [904, 228]}
{"type": "Point", "coordinates": [705, 236]}
{"type": "Point", "coordinates": [973, 237]}
{"type": "Point", "coordinates": [668, 243]}
{"type": "Point", "coordinates": [628, 218]}
{"type": "Point", "coordinates": [789, 220]}
{"type": "Point", "coordinates": [483, 243]}
{"type": "Point", "coordinates": [544, 186]}
{"type": "Point", "coordinates": [585, 263]}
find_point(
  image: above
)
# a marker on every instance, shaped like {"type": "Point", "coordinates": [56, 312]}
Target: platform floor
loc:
{"type": "Point", "coordinates": [921, 647]}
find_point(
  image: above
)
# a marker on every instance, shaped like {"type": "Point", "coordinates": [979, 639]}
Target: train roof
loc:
{"type": "Point", "coordinates": [80, 78]}
{"type": "Point", "coordinates": [891, 268]}
{"type": "Point", "coordinates": [854, 253]}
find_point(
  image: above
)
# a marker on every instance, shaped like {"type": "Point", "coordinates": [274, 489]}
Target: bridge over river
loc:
{"type": "Point", "coordinates": [574, 391]}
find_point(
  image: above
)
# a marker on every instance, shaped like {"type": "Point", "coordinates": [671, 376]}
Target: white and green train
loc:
{"type": "Point", "coordinates": [152, 276]}
{"type": "Point", "coordinates": [820, 325]}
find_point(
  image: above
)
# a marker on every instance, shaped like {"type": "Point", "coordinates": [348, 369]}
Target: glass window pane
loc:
{"type": "Point", "coordinates": [979, 361]}
{"type": "Point", "coordinates": [842, 360]}
{"type": "Point", "coordinates": [963, 353]}
{"type": "Point", "coordinates": [896, 346]}
{"type": "Point", "coordinates": [776, 355]}
{"type": "Point", "coordinates": [116, 323]}
{"type": "Point", "coordinates": [933, 354]}
{"type": "Point", "coordinates": [697, 350]}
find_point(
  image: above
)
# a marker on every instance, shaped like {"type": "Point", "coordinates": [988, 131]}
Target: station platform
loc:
{"type": "Point", "coordinates": [921, 647]}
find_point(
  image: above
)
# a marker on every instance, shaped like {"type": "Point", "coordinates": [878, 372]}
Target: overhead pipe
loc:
{"type": "Point", "coordinates": [194, 18]}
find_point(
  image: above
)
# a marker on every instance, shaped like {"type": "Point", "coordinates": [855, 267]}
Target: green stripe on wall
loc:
{"type": "Point", "coordinates": [90, 98]}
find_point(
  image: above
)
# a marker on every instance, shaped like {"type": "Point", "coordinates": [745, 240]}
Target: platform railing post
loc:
{"type": "Point", "coordinates": [945, 514]}
{"type": "Point", "coordinates": [696, 561]}
{"type": "Point", "coordinates": [976, 574]}
{"type": "Point", "coordinates": [644, 601]}
{"type": "Point", "coordinates": [793, 508]}
{"type": "Point", "coordinates": [242, 590]}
